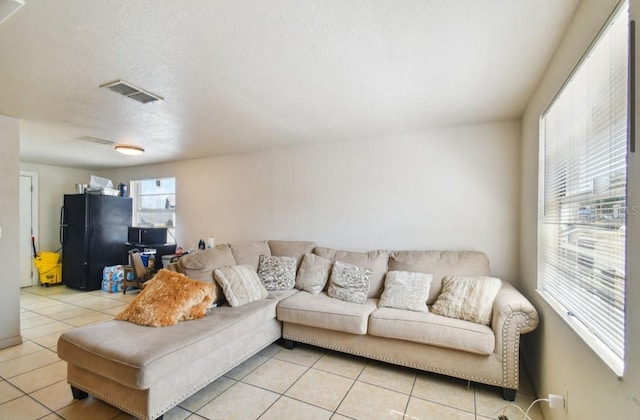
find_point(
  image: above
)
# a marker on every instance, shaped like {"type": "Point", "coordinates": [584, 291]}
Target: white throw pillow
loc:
{"type": "Point", "coordinates": [468, 298]}
{"type": "Point", "coordinates": [406, 290]}
{"type": "Point", "coordinates": [240, 284]}
{"type": "Point", "coordinates": [349, 282]}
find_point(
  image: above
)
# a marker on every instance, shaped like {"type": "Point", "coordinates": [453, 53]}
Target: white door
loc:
{"type": "Point", "coordinates": [28, 225]}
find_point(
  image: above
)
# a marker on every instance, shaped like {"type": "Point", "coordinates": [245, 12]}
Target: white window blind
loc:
{"type": "Point", "coordinates": [583, 176]}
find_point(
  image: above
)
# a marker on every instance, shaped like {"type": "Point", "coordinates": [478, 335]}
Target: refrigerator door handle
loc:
{"type": "Point", "coordinates": [62, 224]}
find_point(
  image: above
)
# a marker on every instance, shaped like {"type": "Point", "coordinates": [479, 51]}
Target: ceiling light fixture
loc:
{"type": "Point", "coordinates": [9, 7]}
{"type": "Point", "coordinates": [129, 149]}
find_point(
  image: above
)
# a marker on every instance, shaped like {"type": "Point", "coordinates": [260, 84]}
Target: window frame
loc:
{"type": "Point", "coordinates": [137, 196]}
{"type": "Point", "coordinates": [614, 361]}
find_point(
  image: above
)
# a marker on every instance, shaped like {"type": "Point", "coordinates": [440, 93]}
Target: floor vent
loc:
{"type": "Point", "coordinates": [130, 91]}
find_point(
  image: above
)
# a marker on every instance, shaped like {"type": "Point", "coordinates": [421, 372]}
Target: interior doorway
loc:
{"type": "Point", "coordinates": [28, 226]}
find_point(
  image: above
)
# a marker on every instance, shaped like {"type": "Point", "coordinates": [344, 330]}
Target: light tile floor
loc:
{"type": "Point", "coordinates": [304, 383]}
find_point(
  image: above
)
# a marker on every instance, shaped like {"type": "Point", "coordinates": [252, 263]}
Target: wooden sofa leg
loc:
{"type": "Point", "coordinates": [78, 394]}
{"type": "Point", "coordinates": [288, 344]}
{"type": "Point", "coordinates": [509, 394]}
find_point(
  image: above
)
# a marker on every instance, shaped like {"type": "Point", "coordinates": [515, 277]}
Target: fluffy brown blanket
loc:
{"type": "Point", "coordinates": [167, 298]}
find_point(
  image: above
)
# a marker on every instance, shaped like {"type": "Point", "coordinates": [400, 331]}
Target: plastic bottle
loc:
{"type": "Point", "coordinates": [123, 189]}
{"type": "Point", "coordinates": [201, 245]}
{"type": "Point", "coordinates": [210, 242]}
{"type": "Point", "coordinates": [151, 264]}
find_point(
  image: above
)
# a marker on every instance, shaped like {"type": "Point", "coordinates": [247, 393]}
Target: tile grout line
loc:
{"type": "Point", "coordinates": [413, 385]}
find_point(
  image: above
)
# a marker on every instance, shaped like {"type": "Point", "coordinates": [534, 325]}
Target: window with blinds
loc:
{"type": "Point", "coordinates": [583, 207]}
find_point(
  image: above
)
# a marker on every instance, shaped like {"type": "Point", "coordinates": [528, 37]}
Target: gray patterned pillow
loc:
{"type": "Point", "coordinates": [313, 273]}
{"type": "Point", "coordinates": [240, 284]}
{"type": "Point", "coordinates": [468, 298]}
{"type": "Point", "coordinates": [406, 290]}
{"type": "Point", "coordinates": [277, 273]}
{"type": "Point", "coordinates": [349, 282]}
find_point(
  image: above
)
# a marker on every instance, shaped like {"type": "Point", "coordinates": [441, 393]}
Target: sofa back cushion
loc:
{"type": "Point", "coordinates": [295, 249]}
{"type": "Point", "coordinates": [376, 261]}
{"type": "Point", "coordinates": [440, 264]}
{"type": "Point", "coordinates": [200, 265]}
{"type": "Point", "coordinates": [249, 253]}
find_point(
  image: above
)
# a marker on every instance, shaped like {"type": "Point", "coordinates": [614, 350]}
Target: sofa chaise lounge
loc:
{"type": "Point", "coordinates": [145, 371]}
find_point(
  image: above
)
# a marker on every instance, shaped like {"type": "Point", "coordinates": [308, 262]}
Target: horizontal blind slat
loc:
{"type": "Point", "coordinates": [582, 220]}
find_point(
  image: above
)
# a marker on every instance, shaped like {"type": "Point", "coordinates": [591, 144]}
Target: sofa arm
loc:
{"type": "Point", "coordinates": [513, 315]}
{"type": "Point", "coordinates": [509, 302]}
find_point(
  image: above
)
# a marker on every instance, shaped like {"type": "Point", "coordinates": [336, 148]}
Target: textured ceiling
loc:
{"type": "Point", "coordinates": [249, 75]}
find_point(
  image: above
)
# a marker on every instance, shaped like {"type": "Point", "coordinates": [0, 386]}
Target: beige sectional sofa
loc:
{"type": "Point", "coordinates": [145, 371]}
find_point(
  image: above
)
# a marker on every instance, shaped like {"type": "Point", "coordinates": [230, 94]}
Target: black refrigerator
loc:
{"type": "Point", "coordinates": [93, 230]}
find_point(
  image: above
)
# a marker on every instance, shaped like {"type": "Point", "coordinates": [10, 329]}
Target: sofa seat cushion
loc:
{"type": "Point", "coordinates": [281, 294]}
{"type": "Point", "coordinates": [326, 312]}
{"type": "Point", "coordinates": [429, 328]}
{"type": "Point", "coordinates": [139, 356]}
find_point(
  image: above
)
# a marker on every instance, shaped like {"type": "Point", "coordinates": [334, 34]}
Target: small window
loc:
{"type": "Point", "coordinates": [583, 203]}
{"type": "Point", "coordinates": [154, 204]}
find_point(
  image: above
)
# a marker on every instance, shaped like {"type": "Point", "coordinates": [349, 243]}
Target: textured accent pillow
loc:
{"type": "Point", "coordinates": [467, 298]}
{"type": "Point", "coordinates": [313, 273]}
{"type": "Point", "coordinates": [277, 273]}
{"type": "Point", "coordinates": [349, 282]}
{"type": "Point", "coordinates": [240, 284]}
{"type": "Point", "coordinates": [376, 261]}
{"type": "Point", "coordinates": [406, 290]}
{"type": "Point", "coordinates": [167, 298]}
{"type": "Point", "coordinates": [291, 249]}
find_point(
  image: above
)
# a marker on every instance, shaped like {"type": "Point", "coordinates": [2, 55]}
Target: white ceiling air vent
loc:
{"type": "Point", "coordinates": [130, 91]}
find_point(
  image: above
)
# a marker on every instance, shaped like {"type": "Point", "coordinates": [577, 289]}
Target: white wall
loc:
{"type": "Point", "coordinates": [9, 250]}
{"type": "Point", "coordinates": [451, 188]}
{"type": "Point", "coordinates": [53, 183]}
{"type": "Point", "coordinates": [556, 357]}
